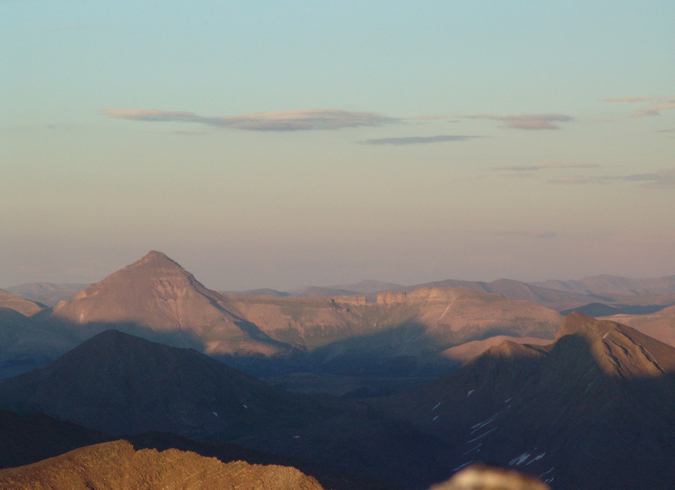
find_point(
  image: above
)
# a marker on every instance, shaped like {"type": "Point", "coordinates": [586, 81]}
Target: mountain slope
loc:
{"type": "Point", "coordinates": [118, 465]}
{"type": "Point", "coordinates": [25, 344]}
{"type": "Point", "coordinates": [659, 325]}
{"type": "Point", "coordinates": [593, 410]}
{"type": "Point", "coordinates": [16, 303]}
{"type": "Point", "coordinates": [120, 384]}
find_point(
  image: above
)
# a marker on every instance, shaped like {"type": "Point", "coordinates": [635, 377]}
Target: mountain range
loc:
{"type": "Point", "coordinates": [402, 333]}
{"type": "Point", "coordinates": [592, 409]}
{"type": "Point", "coordinates": [424, 330]}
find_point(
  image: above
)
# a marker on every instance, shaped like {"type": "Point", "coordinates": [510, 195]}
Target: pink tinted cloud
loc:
{"type": "Point", "coordinates": [659, 103]}
{"type": "Point", "coordinates": [527, 121]}
{"type": "Point", "coordinates": [292, 120]}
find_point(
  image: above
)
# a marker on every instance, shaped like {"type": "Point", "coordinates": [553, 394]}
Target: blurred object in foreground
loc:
{"type": "Point", "coordinates": [481, 477]}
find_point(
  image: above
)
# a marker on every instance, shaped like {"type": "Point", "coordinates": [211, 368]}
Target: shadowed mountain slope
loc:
{"type": "Point", "coordinates": [122, 384]}
{"type": "Point", "coordinates": [158, 294]}
{"type": "Point", "coordinates": [593, 410]}
{"type": "Point", "coordinates": [117, 465]}
{"type": "Point", "coordinates": [25, 344]}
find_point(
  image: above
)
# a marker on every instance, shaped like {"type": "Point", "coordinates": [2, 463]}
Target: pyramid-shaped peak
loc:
{"type": "Point", "coordinates": [156, 257]}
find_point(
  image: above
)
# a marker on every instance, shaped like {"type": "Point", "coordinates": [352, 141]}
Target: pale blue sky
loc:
{"type": "Point", "coordinates": [528, 173]}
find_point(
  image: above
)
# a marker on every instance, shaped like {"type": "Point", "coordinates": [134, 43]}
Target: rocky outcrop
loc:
{"type": "Point", "coordinates": [116, 465]}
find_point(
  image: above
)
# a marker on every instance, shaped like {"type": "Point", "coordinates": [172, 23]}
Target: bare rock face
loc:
{"type": "Point", "coordinates": [481, 477]}
{"type": "Point", "coordinates": [115, 465]}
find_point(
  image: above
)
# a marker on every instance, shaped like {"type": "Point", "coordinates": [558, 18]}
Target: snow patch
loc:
{"type": "Point", "coordinates": [434, 418]}
{"type": "Point", "coordinates": [214, 413]}
{"type": "Point", "coordinates": [520, 459]}
{"type": "Point", "coordinates": [436, 406]}
{"type": "Point", "coordinates": [536, 458]}
{"type": "Point", "coordinates": [469, 393]}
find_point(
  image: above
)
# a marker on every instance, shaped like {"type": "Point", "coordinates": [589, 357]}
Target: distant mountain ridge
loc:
{"type": "Point", "coordinates": [610, 285]}
{"type": "Point", "coordinates": [46, 293]}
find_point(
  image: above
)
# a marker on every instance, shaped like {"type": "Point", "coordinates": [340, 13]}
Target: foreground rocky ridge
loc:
{"type": "Point", "coordinates": [116, 465]}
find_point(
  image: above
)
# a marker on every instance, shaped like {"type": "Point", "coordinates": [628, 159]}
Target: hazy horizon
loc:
{"type": "Point", "coordinates": [261, 145]}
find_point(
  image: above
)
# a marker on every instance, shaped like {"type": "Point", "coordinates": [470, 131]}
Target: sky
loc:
{"type": "Point", "coordinates": [285, 144]}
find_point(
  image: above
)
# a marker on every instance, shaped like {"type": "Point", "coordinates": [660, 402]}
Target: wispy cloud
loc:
{"type": "Point", "coordinates": [526, 121]}
{"type": "Point", "coordinates": [659, 179]}
{"type": "Point", "coordinates": [417, 140]}
{"type": "Point", "coordinates": [543, 165]}
{"type": "Point", "coordinates": [658, 103]}
{"type": "Point", "coordinates": [292, 120]}
{"type": "Point", "coordinates": [580, 179]}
